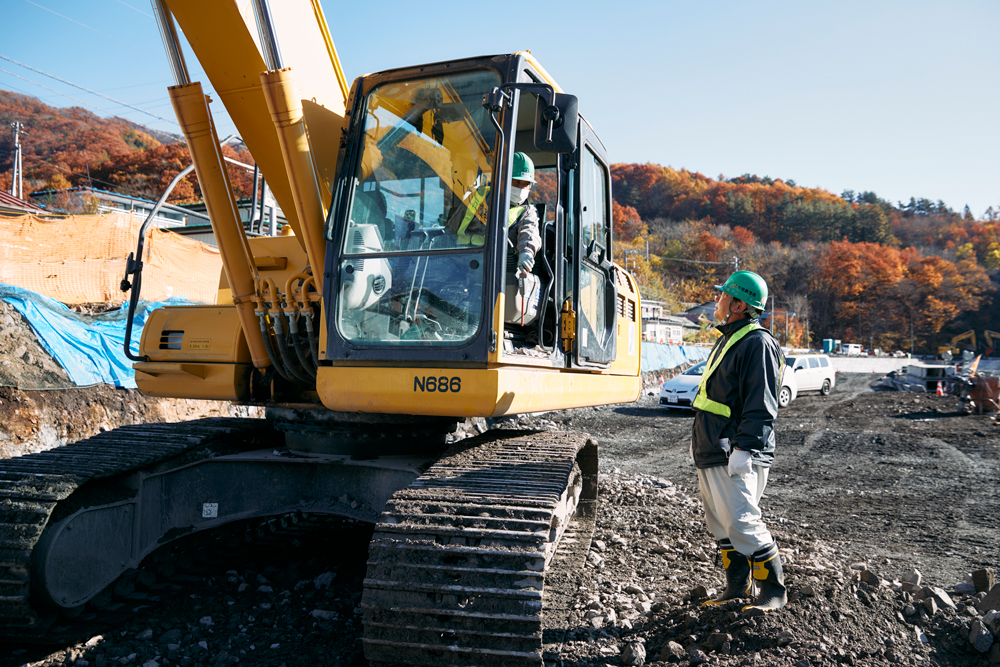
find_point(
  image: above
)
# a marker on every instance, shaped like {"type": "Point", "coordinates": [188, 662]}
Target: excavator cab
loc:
{"type": "Point", "coordinates": [419, 264]}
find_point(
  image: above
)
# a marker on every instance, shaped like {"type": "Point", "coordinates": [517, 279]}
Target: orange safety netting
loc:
{"type": "Point", "coordinates": [81, 259]}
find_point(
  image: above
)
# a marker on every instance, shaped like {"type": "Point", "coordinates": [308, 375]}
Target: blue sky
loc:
{"type": "Point", "coordinates": [898, 97]}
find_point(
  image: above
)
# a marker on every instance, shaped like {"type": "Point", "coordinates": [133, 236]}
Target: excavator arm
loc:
{"type": "Point", "coordinates": [990, 338]}
{"type": "Point", "coordinates": [969, 335]}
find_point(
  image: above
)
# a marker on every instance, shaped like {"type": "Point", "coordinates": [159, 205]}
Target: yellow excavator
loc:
{"type": "Point", "coordinates": [394, 310]}
{"type": "Point", "coordinates": [990, 340]}
{"type": "Point", "coordinates": [954, 347]}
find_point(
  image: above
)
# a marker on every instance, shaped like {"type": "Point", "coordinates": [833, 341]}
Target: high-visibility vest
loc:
{"type": "Point", "coordinates": [475, 202]}
{"type": "Point", "coordinates": [703, 402]}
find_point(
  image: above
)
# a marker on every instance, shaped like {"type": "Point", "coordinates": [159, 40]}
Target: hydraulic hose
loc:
{"type": "Point", "coordinates": [293, 333]}
{"type": "Point", "coordinates": [284, 357]}
{"type": "Point", "coordinates": [265, 334]}
{"type": "Point", "coordinates": [313, 343]}
{"type": "Point", "coordinates": [286, 354]}
{"type": "Point", "coordinates": [305, 301]}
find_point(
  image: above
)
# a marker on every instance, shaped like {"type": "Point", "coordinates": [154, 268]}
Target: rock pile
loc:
{"type": "Point", "coordinates": [652, 564]}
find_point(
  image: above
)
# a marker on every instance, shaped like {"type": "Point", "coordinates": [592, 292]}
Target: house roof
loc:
{"type": "Point", "coordinates": [8, 200]}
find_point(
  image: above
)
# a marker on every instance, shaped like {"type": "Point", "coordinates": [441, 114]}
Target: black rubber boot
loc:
{"type": "Point", "coordinates": [737, 574]}
{"type": "Point", "coordinates": [769, 578]}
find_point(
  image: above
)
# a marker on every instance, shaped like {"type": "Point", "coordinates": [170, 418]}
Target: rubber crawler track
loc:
{"type": "Point", "coordinates": [32, 486]}
{"type": "Point", "coordinates": [457, 564]}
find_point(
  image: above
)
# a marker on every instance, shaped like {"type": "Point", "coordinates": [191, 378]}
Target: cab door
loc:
{"type": "Point", "coordinates": [594, 292]}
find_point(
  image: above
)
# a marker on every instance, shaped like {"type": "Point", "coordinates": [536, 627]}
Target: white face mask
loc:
{"type": "Point", "coordinates": [519, 195]}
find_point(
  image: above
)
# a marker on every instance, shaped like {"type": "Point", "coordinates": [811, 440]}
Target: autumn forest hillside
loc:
{"type": "Point", "coordinates": [851, 266]}
{"type": "Point", "coordinates": [64, 147]}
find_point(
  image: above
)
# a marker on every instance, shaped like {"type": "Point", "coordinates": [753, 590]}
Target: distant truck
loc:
{"type": "Point", "coordinates": [851, 349]}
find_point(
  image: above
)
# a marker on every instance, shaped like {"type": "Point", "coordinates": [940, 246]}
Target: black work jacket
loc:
{"type": "Point", "coordinates": [747, 381]}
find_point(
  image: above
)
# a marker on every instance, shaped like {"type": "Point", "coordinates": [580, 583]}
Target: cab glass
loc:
{"type": "Point", "coordinates": [411, 267]}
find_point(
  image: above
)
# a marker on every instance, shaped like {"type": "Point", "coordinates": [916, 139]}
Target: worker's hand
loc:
{"type": "Point", "coordinates": [525, 260]}
{"type": "Point", "coordinates": [740, 463]}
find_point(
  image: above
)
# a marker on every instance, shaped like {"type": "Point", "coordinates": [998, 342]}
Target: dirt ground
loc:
{"type": "Point", "coordinates": [867, 486]}
{"type": "Point", "coordinates": [897, 479]}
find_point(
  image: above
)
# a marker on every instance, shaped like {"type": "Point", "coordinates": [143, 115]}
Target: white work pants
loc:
{"type": "Point", "coordinates": [732, 506]}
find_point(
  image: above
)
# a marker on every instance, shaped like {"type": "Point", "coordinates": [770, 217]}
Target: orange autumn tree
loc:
{"type": "Point", "coordinates": [627, 223]}
{"type": "Point", "coordinates": [858, 282]}
{"type": "Point", "coordinates": [871, 293]}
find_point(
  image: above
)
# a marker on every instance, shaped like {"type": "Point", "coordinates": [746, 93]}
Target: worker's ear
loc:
{"type": "Point", "coordinates": [739, 306]}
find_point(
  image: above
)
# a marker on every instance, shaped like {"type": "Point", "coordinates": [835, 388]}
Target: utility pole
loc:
{"type": "Point", "coordinates": [17, 179]}
{"type": "Point", "coordinates": [736, 262]}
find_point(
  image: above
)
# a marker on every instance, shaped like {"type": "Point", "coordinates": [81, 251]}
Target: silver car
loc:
{"type": "Point", "coordinates": [680, 390]}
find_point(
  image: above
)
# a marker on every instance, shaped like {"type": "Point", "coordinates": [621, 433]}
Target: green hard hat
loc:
{"type": "Point", "coordinates": [746, 286]}
{"type": "Point", "coordinates": [524, 168]}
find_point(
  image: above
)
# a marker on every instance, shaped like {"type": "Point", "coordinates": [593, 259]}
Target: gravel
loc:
{"type": "Point", "coordinates": [884, 506]}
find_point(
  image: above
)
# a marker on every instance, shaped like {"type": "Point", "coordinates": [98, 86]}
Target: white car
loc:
{"type": "Point", "coordinates": [679, 391]}
{"type": "Point", "coordinates": [807, 372]}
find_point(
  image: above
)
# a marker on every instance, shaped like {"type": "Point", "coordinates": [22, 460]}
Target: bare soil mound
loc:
{"type": "Point", "coordinates": [23, 362]}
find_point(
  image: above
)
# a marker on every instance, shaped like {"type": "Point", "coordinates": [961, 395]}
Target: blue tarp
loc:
{"type": "Point", "coordinates": [661, 355]}
{"type": "Point", "coordinates": [89, 347]}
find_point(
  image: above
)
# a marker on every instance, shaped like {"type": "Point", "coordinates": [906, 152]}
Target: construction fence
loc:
{"type": "Point", "coordinates": [81, 259]}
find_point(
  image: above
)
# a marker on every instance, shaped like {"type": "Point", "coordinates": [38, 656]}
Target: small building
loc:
{"type": "Point", "coordinates": [658, 326]}
{"type": "Point", "coordinates": [202, 230]}
{"type": "Point", "coordinates": [94, 200]}
{"type": "Point", "coordinates": [11, 205]}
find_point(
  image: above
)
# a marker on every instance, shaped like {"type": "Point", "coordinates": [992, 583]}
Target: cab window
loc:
{"type": "Point", "coordinates": [594, 216]}
{"type": "Point", "coordinates": [411, 268]}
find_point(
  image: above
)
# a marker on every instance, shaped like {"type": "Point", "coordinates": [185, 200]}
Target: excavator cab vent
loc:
{"type": "Point", "coordinates": [621, 306]}
{"type": "Point", "coordinates": [171, 339]}
{"type": "Point", "coordinates": [622, 279]}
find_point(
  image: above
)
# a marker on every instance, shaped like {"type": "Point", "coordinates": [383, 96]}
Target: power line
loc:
{"type": "Point", "coordinates": [692, 261]}
{"type": "Point", "coordinates": [92, 92]}
{"type": "Point", "coordinates": [135, 9]}
{"type": "Point", "coordinates": [54, 91]}
{"type": "Point", "coordinates": [84, 25]}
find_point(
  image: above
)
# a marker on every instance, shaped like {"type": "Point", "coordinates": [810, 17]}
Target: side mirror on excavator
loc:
{"type": "Point", "coordinates": [557, 118]}
{"type": "Point", "coordinates": [557, 124]}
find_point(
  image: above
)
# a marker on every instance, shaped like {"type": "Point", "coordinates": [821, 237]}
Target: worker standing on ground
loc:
{"type": "Point", "coordinates": [732, 441]}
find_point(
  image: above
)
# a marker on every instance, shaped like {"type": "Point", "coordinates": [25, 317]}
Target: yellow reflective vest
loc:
{"type": "Point", "coordinates": [478, 237]}
{"type": "Point", "coordinates": [703, 402]}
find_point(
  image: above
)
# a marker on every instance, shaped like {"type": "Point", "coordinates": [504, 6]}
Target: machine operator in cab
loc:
{"type": "Point", "coordinates": [522, 223]}
{"type": "Point", "coordinates": [732, 441]}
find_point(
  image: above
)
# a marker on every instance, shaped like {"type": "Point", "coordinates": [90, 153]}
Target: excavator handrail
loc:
{"type": "Point", "coordinates": [133, 265]}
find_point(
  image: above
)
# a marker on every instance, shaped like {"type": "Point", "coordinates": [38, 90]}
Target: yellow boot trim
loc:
{"type": "Point", "coordinates": [760, 570]}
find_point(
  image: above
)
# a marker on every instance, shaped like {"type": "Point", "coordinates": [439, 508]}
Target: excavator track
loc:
{"type": "Point", "coordinates": [33, 486]}
{"type": "Point", "coordinates": [457, 563]}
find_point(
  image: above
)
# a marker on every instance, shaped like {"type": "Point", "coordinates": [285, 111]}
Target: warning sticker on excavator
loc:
{"type": "Point", "coordinates": [199, 344]}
